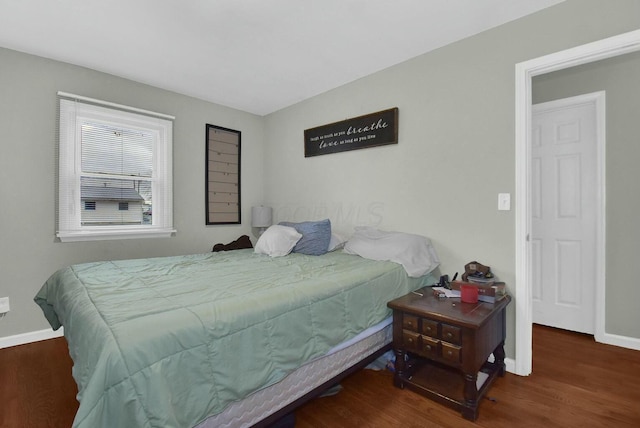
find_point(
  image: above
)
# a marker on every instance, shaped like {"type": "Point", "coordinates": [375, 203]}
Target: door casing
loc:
{"type": "Point", "coordinates": [525, 71]}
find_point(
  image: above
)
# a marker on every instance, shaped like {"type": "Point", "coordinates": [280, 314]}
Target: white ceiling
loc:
{"type": "Point", "coordinates": [254, 55]}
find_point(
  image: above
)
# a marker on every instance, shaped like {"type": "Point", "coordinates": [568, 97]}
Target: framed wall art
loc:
{"type": "Point", "coordinates": [222, 176]}
{"type": "Point", "coordinates": [375, 129]}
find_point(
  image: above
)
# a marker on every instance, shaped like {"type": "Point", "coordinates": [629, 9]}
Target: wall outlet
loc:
{"type": "Point", "coordinates": [4, 305]}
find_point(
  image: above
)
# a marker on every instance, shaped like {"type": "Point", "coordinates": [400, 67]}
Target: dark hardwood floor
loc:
{"type": "Point", "coordinates": [575, 383]}
{"type": "Point", "coordinates": [36, 387]}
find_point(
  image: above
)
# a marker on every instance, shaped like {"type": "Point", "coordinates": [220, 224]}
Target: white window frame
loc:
{"type": "Point", "coordinates": [72, 113]}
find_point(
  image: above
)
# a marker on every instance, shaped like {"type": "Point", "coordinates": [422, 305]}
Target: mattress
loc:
{"type": "Point", "coordinates": [169, 342]}
{"type": "Point", "coordinates": [263, 403]}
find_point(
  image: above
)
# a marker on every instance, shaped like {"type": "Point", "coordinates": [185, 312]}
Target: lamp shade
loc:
{"type": "Point", "coordinates": [261, 216]}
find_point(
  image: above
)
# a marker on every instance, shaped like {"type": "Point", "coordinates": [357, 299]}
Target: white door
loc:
{"type": "Point", "coordinates": [564, 197]}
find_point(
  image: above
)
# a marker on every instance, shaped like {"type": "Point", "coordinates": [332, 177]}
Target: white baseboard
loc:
{"type": "Point", "coordinates": [33, 336]}
{"type": "Point", "coordinates": [511, 365]}
{"type": "Point", "coordinates": [622, 341]}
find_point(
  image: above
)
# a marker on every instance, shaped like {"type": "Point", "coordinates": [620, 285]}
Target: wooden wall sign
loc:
{"type": "Point", "coordinates": [375, 129]}
{"type": "Point", "coordinates": [222, 176]}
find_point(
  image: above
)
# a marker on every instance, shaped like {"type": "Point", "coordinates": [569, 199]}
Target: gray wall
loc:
{"type": "Point", "coordinates": [456, 148]}
{"type": "Point", "coordinates": [455, 154]}
{"type": "Point", "coordinates": [29, 252]}
{"type": "Point", "coordinates": [620, 78]}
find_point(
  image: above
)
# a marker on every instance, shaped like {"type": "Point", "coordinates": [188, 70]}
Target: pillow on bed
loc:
{"type": "Point", "coordinates": [277, 241]}
{"type": "Point", "coordinates": [336, 242]}
{"type": "Point", "coordinates": [316, 236]}
{"type": "Point", "coordinates": [413, 252]}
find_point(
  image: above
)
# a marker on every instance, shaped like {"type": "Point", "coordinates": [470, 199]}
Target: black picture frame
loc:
{"type": "Point", "coordinates": [370, 130]}
{"type": "Point", "coordinates": [222, 175]}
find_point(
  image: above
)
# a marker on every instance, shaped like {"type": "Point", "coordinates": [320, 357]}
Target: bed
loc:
{"type": "Point", "coordinates": [217, 339]}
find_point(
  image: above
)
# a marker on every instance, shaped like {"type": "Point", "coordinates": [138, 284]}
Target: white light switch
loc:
{"type": "Point", "coordinates": [4, 305]}
{"type": "Point", "coordinates": [504, 201]}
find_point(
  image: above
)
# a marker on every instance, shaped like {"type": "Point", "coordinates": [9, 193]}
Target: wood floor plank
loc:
{"type": "Point", "coordinates": [37, 389]}
{"type": "Point", "coordinates": [575, 383]}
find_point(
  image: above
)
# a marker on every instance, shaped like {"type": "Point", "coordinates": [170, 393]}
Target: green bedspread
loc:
{"type": "Point", "coordinates": [166, 342]}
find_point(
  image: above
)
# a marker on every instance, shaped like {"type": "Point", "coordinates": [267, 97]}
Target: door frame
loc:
{"type": "Point", "coordinates": [524, 73]}
{"type": "Point", "coordinates": [598, 100]}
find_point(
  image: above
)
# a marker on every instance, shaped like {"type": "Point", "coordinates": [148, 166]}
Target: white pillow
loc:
{"type": "Point", "coordinates": [277, 241]}
{"type": "Point", "coordinates": [336, 242]}
{"type": "Point", "coordinates": [413, 252]}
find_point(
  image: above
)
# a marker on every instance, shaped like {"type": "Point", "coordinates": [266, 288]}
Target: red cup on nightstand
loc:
{"type": "Point", "coordinates": [468, 293]}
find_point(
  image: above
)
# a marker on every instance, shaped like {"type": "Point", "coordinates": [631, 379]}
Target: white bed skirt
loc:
{"type": "Point", "coordinates": [267, 401]}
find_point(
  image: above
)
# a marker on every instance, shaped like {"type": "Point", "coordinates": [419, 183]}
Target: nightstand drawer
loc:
{"type": "Point", "coordinates": [450, 333]}
{"type": "Point", "coordinates": [410, 322]}
{"type": "Point", "coordinates": [429, 327]}
{"type": "Point", "coordinates": [411, 340]}
{"type": "Point", "coordinates": [429, 347]}
{"type": "Point", "coordinates": [451, 352]}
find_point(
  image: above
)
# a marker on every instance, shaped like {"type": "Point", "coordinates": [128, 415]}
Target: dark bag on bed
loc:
{"type": "Point", "coordinates": [238, 244]}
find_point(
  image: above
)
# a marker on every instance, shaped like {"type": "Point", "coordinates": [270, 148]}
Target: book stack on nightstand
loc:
{"type": "Point", "coordinates": [489, 292]}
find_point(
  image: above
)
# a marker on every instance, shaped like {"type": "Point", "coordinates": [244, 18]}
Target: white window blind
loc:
{"type": "Point", "coordinates": [110, 159]}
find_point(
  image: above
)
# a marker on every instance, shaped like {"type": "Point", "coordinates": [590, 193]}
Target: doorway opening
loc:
{"type": "Point", "coordinates": [525, 71]}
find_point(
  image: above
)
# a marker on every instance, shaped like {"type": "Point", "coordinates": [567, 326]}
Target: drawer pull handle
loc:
{"type": "Point", "coordinates": [428, 347]}
{"type": "Point", "coordinates": [449, 335]}
{"type": "Point", "coordinates": [410, 340]}
{"type": "Point", "coordinates": [449, 353]}
{"type": "Point", "coordinates": [429, 329]}
{"type": "Point", "coordinates": [409, 323]}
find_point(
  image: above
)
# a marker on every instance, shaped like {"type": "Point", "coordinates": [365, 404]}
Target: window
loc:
{"type": "Point", "coordinates": [115, 164]}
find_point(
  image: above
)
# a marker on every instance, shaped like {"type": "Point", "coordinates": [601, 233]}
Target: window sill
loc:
{"type": "Point", "coordinates": [104, 235]}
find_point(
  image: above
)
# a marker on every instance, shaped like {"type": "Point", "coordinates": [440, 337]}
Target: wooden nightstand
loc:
{"type": "Point", "coordinates": [447, 344]}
